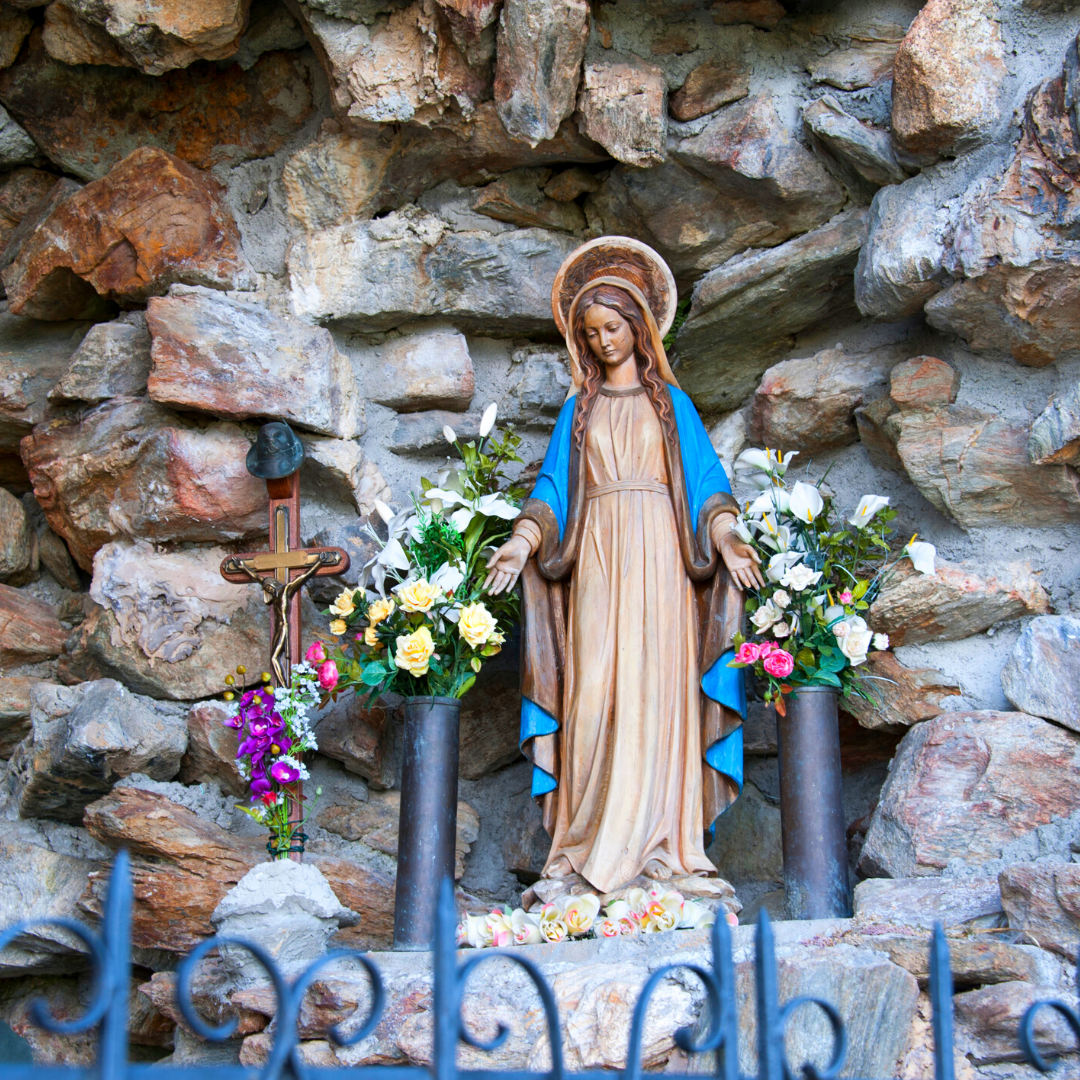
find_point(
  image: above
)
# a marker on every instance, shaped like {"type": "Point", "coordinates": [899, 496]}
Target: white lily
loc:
{"type": "Point", "coordinates": [392, 557]}
{"type": "Point", "coordinates": [444, 497]}
{"type": "Point", "coordinates": [922, 555]}
{"type": "Point", "coordinates": [805, 502]}
{"type": "Point", "coordinates": [742, 530]}
{"type": "Point", "coordinates": [448, 577]}
{"type": "Point", "coordinates": [868, 506]}
{"type": "Point", "coordinates": [780, 563]}
{"type": "Point", "coordinates": [487, 421]}
{"type": "Point", "coordinates": [384, 511]}
{"type": "Point", "coordinates": [775, 500]}
{"type": "Point", "coordinates": [449, 434]}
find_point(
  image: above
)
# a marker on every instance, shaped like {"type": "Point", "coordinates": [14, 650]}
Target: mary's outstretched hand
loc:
{"type": "Point", "coordinates": [742, 561]}
{"type": "Point", "coordinates": [505, 566]}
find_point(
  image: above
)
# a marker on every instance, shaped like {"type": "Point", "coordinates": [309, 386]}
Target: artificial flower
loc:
{"type": "Point", "coordinates": [343, 605]}
{"type": "Point", "coordinates": [448, 577]}
{"type": "Point", "coordinates": [338, 627]}
{"type": "Point", "coordinates": [800, 577]}
{"type": "Point", "coordinates": [328, 675]}
{"type": "Point", "coordinates": [780, 630]}
{"type": "Point", "coordinates": [553, 927]}
{"type": "Point", "coordinates": [881, 642]}
{"type": "Point", "coordinates": [774, 500]}
{"type": "Point", "coordinates": [478, 932]}
{"type": "Point", "coordinates": [696, 916]}
{"type": "Point", "coordinates": [579, 913]}
{"type": "Point", "coordinates": [780, 664]}
{"type": "Point", "coordinates": [380, 610]}
{"type": "Point", "coordinates": [781, 599]}
{"type": "Point", "coordinates": [748, 653]}
{"type": "Point", "coordinates": [806, 502]}
{"type": "Point", "coordinates": [832, 613]}
{"type": "Point", "coordinates": [502, 928]}
{"type": "Point", "coordinates": [417, 594]}
{"type": "Point", "coordinates": [371, 637]}
{"type": "Point", "coordinates": [526, 928]}
{"type": "Point", "coordinates": [315, 654]}
{"type": "Point", "coordinates": [922, 555]}
{"type": "Point", "coordinates": [845, 597]}
{"type": "Point", "coordinates": [855, 643]}
{"type": "Point", "coordinates": [780, 563]}
{"type": "Point", "coordinates": [449, 434]}
{"type": "Point", "coordinates": [766, 614]}
{"type": "Point", "coordinates": [414, 651]}
{"type": "Point", "coordinates": [475, 623]}
{"type": "Point", "coordinates": [487, 421]}
{"type": "Point", "coordinates": [868, 506]}
{"type": "Point", "coordinates": [768, 462]}
{"type": "Point", "coordinates": [608, 928]}
{"type": "Point", "coordinates": [285, 771]}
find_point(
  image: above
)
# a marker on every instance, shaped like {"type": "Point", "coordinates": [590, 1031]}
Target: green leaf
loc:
{"type": "Point", "coordinates": [828, 678]}
{"type": "Point", "coordinates": [860, 589]}
{"type": "Point", "coordinates": [862, 605]}
{"type": "Point", "coordinates": [466, 686]}
{"type": "Point", "coordinates": [374, 673]}
{"type": "Point", "coordinates": [750, 606]}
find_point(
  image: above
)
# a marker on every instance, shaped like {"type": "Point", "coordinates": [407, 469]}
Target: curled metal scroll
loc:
{"type": "Point", "coordinates": [1027, 1032]}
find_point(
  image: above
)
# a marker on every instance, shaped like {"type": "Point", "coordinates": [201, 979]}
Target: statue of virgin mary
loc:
{"type": "Point", "coordinates": [631, 579]}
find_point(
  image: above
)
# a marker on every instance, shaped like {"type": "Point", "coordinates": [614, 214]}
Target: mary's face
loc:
{"type": "Point", "coordinates": [609, 335]}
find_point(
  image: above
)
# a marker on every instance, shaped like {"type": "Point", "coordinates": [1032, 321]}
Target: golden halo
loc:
{"type": "Point", "coordinates": [619, 256]}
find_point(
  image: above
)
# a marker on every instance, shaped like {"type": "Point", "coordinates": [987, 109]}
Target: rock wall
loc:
{"type": "Point", "coordinates": [347, 214]}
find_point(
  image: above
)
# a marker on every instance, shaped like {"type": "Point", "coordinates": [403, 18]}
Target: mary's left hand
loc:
{"type": "Point", "coordinates": [742, 561]}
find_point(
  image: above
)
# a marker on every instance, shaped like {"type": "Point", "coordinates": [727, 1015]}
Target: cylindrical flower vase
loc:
{"type": "Point", "coordinates": [811, 807]}
{"type": "Point", "coordinates": [427, 825]}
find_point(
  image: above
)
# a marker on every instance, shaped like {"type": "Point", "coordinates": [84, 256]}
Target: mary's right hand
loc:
{"type": "Point", "coordinates": [505, 566]}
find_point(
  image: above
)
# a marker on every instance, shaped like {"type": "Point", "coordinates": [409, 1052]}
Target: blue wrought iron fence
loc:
{"type": "Point", "coordinates": [110, 958]}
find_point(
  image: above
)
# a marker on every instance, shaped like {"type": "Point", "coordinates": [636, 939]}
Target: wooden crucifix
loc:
{"type": "Point", "coordinates": [287, 565]}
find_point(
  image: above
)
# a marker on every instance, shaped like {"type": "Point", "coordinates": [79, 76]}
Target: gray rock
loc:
{"type": "Point", "coordinates": [734, 858]}
{"type": "Point", "coordinates": [864, 59]}
{"type": "Point", "coordinates": [56, 558]}
{"type": "Point", "coordinates": [270, 27]}
{"type": "Point", "coordinates": [289, 909]}
{"type": "Point", "coordinates": [901, 265]}
{"type": "Point", "coordinates": [541, 44]}
{"type": "Point", "coordinates": [1043, 900]}
{"type": "Point", "coordinates": [987, 1021]}
{"type": "Point", "coordinates": [239, 361]}
{"type": "Point", "coordinates": [14, 711]}
{"type": "Point", "coordinates": [422, 432]}
{"type": "Point", "coordinates": [406, 265]}
{"type": "Point", "coordinates": [517, 198]}
{"type": "Point", "coordinates": [360, 738]}
{"type": "Point", "coordinates": [966, 788]}
{"type": "Point", "coordinates": [113, 359]}
{"type": "Point", "coordinates": [427, 369]}
{"type": "Point", "coordinates": [1042, 677]}
{"type": "Point", "coordinates": [83, 739]}
{"type": "Point", "coordinates": [210, 757]}
{"type": "Point", "coordinates": [538, 386]}
{"type": "Point", "coordinates": [744, 312]}
{"type": "Point", "coordinates": [41, 880]}
{"type": "Point", "coordinates": [18, 543]}
{"type": "Point", "coordinates": [1055, 432]}
{"type": "Point", "coordinates": [922, 902]}
{"type": "Point", "coordinates": [718, 81]}
{"type": "Point", "coordinates": [623, 107]}
{"type": "Point", "coordinates": [860, 156]}
{"type": "Point", "coordinates": [16, 147]}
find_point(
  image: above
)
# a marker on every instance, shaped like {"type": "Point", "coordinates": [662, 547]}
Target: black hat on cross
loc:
{"type": "Point", "coordinates": [277, 452]}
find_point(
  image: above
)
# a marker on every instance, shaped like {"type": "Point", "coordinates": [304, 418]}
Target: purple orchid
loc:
{"type": "Point", "coordinates": [284, 772]}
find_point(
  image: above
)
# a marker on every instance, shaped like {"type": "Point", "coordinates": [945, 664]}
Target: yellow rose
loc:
{"type": "Point", "coordinates": [414, 651]}
{"type": "Point", "coordinates": [338, 627]}
{"type": "Point", "coordinates": [381, 609]}
{"type": "Point", "coordinates": [476, 624]}
{"type": "Point", "coordinates": [370, 638]}
{"type": "Point", "coordinates": [344, 605]}
{"type": "Point", "coordinates": [418, 595]}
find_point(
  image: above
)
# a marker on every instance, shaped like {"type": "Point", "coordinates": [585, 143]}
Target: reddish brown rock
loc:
{"type": "Point", "coordinates": [570, 184]}
{"type": "Point", "coordinates": [210, 995]}
{"type": "Point", "coordinates": [974, 467]}
{"type": "Point", "coordinates": [716, 82]}
{"type": "Point", "coordinates": [1043, 900]}
{"type": "Point", "coordinates": [517, 198]}
{"type": "Point", "coordinates": [923, 382]}
{"type": "Point", "coordinates": [239, 361]}
{"type": "Point", "coordinates": [14, 712]}
{"type": "Point", "coordinates": [29, 629]}
{"type": "Point", "coordinates": [359, 738]}
{"type": "Point", "coordinates": [20, 191]}
{"type": "Point", "coordinates": [87, 119]}
{"type": "Point", "coordinates": [947, 78]}
{"type": "Point", "coordinates": [14, 26]}
{"type": "Point", "coordinates": [954, 602]}
{"type": "Point", "coordinates": [18, 541]}
{"type": "Point", "coordinates": [56, 558]}
{"type": "Point", "coordinates": [864, 59]}
{"type": "Point", "coordinates": [901, 695]}
{"type": "Point", "coordinates": [623, 107]}
{"type": "Point", "coordinates": [151, 222]}
{"type": "Point", "coordinates": [71, 39]}
{"type": "Point", "coordinates": [210, 757]}
{"type": "Point", "coordinates": [142, 471]}
{"type": "Point", "coordinates": [987, 1021]}
{"type": "Point", "coordinates": [963, 786]}
{"type": "Point", "coordinates": [764, 14]}
{"type": "Point", "coordinates": [809, 404]}
{"type": "Point", "coordinates": [541, 44]}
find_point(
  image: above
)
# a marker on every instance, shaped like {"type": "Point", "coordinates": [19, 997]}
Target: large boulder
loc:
{"type": "Point", "coordinates": [113, 360]}
{"type": "Point", "coordinates": [955, 601]}
{"type": "Point", "coordinates": [623, 107]}
{"type": "Point", "coordinates": [152, 221]}
{"type": "Point", "coordinates": [83, 739]}
{"type": "Point", "coordinates": [541, 44]}
{"type": "Point", "coordinates": [210, 757]}
{"type": "Point", "coordinates": [518, 198]}
{"type": "Point", "coordinates": [407, 265]}
{"type": "Point", "coordinates": [863, 55]}
{"type": "Point", "coordinates": [168, 624]}
{"type": "Point", "coordinates": [966, 788]}
{"type": "Point", "coordinates": [30, 630]}
{"type": "Point", "coordinates": [744, 313]}
{"type": "Point", "coordinates": [720, 80]}
{"type": "Point", "coordinates": [988, 1019]}
{"type": "Point", "coordinates": [1043, 900]}
{"type": "Point", "coordinates": [21, 191]}
{"type": "Point", "coordinates": [1042, 677]}
{"type": "Point", "coordinates": [427, 369]}
{"type": "Point", "coordinates": [899, 695]}
{"type": "Point", "coordinates": [129, 468]}
{"type": "Point", "coordinates": [19, 552]}
{"type": "Point", "coordinates": [922, 902]}
{"type": "Point", "coordinates": [87, 119]}
{"type": "Point", "coordinates": [360, 738]}
{"type": "Point", "coordinates": [1055, 432]}
{"type": "Point", "coordinates": [33, 356]}
{"type": "Point", "coordinates": [239, 361]}
{"type": "Point", "coordinates": [948, 78]}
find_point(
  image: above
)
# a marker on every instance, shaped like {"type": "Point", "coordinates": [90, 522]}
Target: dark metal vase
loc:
{"type": "Point", "coordinates": [427, 826]}
{"type": "Point", "coordinates": [811, 807]}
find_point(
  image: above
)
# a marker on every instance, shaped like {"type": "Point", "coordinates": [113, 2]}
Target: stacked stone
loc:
{"type": "Point", "coordinates": [347, 214]}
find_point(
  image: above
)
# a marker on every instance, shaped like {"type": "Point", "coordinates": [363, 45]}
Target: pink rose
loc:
{"type": "Point", "coordinates": [766, 648]}
{"type": "Point", "coordinates": [328, 675]}
{"type": "Point", "coordinates": [316, 654]}
{"type": "Point", "coordinates": [748, 653]}
{"type": "Point", "coordinates": [845, 597]}
{"type": "Point", "coordinates": [779, 664]}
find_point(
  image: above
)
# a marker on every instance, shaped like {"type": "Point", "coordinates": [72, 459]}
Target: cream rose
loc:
{"type": "Point", "coordinates": [418, 595]}
{"type": "Point", "coordinates": [579, 913]}
{"type": "Point", "coordinates": [371, 639]}
{"type": "Point", "coordinates": [380, 610]}
{"type": "Point", "coordinates": [476, 624]}
{"type": "Point", "coordinates": [414, 651]}
{"type": "Point", "coordinates": [343, 605]}
{"type": "Point", "coordinates": [338, 627]}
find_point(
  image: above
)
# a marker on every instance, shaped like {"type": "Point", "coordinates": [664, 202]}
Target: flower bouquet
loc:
{"type": "Point", "coordinates": [821, 576]}
{"type": "Point", "coordinates": [419, 624]}
{"type": "Point", "coordinates": [273, 728]}
{"type": "Point", "coordinates": [574, 918]}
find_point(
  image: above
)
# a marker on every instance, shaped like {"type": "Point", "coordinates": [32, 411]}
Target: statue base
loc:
{"type": "Point", "coordinates": [715, 893]}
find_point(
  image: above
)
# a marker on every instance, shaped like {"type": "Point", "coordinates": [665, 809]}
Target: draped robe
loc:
{"type": "Point", "coordinates": [630, 714]}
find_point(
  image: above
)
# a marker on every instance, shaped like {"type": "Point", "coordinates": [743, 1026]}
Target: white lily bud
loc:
{"type": "Point", "coordinates": [448, 435]}
{"type": "Point", "coordinates": [487, 421]}
{"type": "Point", "coordinates": [384, 511]}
